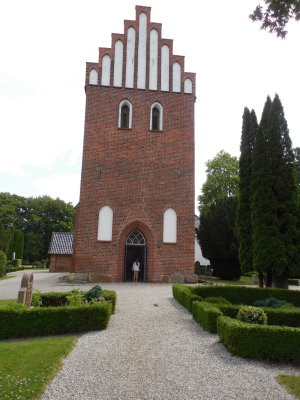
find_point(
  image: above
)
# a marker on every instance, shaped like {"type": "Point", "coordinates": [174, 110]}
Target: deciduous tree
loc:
{"type": "Point", "coordinates": [275, 14]}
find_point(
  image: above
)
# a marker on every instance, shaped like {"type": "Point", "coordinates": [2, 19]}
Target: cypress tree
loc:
{"type": "Point", "coordinates": [265, 124]}
{"type": "Point", "coordinates": [11, 244]}
{"type": "Point", "coordinates": [267, 246]}
{"type": "Point", "coordinates": [19, 244]}
{"type": "Point", "coordinates": [284, 186]}
{"type": "Point", "coordinates": [243, 222]}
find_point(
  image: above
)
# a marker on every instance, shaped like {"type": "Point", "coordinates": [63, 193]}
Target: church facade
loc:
{"type": "Point", "coordinates": [137, 182]}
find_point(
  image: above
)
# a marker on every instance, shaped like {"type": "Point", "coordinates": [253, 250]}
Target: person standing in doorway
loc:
{"type": "Point", "coordinates": [136, 269]}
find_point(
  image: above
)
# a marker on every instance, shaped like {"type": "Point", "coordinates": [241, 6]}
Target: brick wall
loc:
{"type": "Point", "coordinates": [60, 263]}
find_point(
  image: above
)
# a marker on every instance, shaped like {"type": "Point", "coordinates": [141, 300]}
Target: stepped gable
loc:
{"type": "Point", "coordinates": [141, 59]}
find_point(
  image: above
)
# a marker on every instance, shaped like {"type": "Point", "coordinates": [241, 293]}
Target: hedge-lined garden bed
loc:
{"type": "Point", "coordinates": [56, 299]}
{"type": "Point", "coordinates": [277, 343]}
{"type": "Point", "coordinates": [212, 311]}
{"type": "Point", "coordinates": [55, 316]}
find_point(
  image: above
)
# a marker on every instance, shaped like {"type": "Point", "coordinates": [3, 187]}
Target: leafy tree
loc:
{"type": "Point", "coordinates": [218, 240]}
{"type": "Point", "coordinates": [217, 206]}
{"type": "Point", "coordinates": [243, 221]}
{"type": "Point", "coordinates": [221, 182]}
{"type": "Point", "coordinates": [37, 218]}
{"type": "Point", "coordinates": [275, 15]}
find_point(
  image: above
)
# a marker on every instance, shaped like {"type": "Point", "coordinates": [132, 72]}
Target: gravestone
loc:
{"type": "Point", "coordinates": [26, 290]}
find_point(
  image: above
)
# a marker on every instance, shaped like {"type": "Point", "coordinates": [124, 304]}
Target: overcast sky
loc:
{"type": "Point", "coordinates": [43, 50]}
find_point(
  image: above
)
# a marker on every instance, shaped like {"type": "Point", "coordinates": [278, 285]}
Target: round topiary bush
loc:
{"type": "Point", "coordinates": [3, 260]}
{"type": "Point", "coordinates": [252, 315]}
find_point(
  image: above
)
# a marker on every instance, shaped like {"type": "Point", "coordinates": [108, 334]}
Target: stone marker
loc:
{"type": "Point", "coordinates": [25, 293]}
{"type": "Point", "coordinates": [177, 277]}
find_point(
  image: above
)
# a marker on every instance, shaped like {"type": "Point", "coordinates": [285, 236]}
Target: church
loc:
{"type": "Point", "coordinates": [137, 179]}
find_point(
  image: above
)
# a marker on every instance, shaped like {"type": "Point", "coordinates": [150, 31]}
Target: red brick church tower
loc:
{"type": "Point", "coordinates": [137, 182]}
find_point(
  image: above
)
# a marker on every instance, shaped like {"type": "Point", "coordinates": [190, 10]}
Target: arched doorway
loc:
{"type": "Point", "coordinates": [135, 247]}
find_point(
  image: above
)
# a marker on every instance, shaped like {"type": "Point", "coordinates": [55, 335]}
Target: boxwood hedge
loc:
{"type": "Point", "coordinates": [263, 342]}
{"type": "Point", "coordinates": [206, 315]}
{"type": "Point", "coordinates": [184, 296]}
{"type": "Point", "coordinates": [43, 321]}
{"type": "Point", "coordinates": [247, 295]}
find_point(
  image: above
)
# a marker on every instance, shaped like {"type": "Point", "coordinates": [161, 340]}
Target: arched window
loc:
{"type": "Point", "coordinates": [188, 86]}
{"type": "Point", "coordinates": [105, 223]}
{"type": "Point", "coordinates": [156, 117]}
{"type": "Point", "coordinates": [170, 226]}
{"type": "Point", "coordinates": [125, 114]}
{"type": "Point", "coordinates": [93, 77]}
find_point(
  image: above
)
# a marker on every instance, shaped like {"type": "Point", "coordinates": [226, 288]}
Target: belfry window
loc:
{"type": "Point", "coordinates": [125, 115]}
{"type": "Point", "coordinates": [156, 117]}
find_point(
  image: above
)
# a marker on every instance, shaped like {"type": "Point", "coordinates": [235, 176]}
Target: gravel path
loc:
{"type": "Point", "coordinates": [153, 349]}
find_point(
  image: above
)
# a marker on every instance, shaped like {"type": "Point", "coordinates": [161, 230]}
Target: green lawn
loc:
{"type": "Point", "coordinates": [3, 278]}
{"type": "Point", "coordinates": [245, 280]}
{"type": "Point", "coordinates": [6, 302]}
{"type": "Point", "coordinates": [291, 383]}
{"type": "Point", "coordinates": [27, 366]}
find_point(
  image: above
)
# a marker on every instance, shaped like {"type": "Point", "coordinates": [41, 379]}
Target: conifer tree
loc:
{"type": "Point", "coordinates": [284, 186]}
{"type": "Point", "coordinates": [19, 244]}
{"type": "Point", "coordinates": [268, 249]}
{"type": "Point", "coordinates": [265, 124]}
{"type": "Point", "coordinates": [243, 222]}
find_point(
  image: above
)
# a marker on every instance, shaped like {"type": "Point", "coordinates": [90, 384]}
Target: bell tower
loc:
{"type": "Point", "coordinates": [137, 181]}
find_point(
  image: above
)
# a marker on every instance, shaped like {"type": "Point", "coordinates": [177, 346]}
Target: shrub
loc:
{"type": "Point", "coordinates": [184, 296]}
{"type": "Point", "coordinates": [75, 298]}
{"type": "Point", "coordinates": [263, 342]}
{"type": "Point", "coordinates": [37, 264]}
{"type": "Point", "coordinates": [3, 260]}
{"type": "Point", "coordinates": [252, 315]}
{"type": "Point", "coordinates": [217, 300]}
{"type": "Point", "coordinates": [17, 262]}
{"type": "Point", "coordinates": [93, 293]}
{"type": "Point", "coordinates": [36, 298]}
{"type": "Point", "coordinates": [206, 314]}
{"type": "Point", "coordinates": [270, 302]}
{"type": "Point", "coordinates": [247, 295]}
{"type": "Point", "coordinates": [44, 321]}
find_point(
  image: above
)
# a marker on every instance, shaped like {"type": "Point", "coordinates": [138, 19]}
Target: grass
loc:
{"type": "Point", "coordinates": [244, 280]}
{"type": "Point", "coordinates": [7, 302]}
{"type": "Point", "coordinates": [27, 366]}
{"type": "Point", "coordinates": [3, 278]}
{"type": "Point", "coordinates": [291, 383]}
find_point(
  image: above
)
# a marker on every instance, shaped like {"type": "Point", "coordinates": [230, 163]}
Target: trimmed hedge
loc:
{"type": "Point", "coordinates": [184, 296]}
{"type": "Point", "coordinates": [261, 342]}
{"type": "Point", "coordinates": [55, 299]}
{"type": "Point", "coordinates": [53, 320]}
{"type": "Point", "coordinates": [206, 314]}
{"type": "Point", "coordinates": [280, 317]}
{"type": "Point", "coordinates": [247, 295]}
